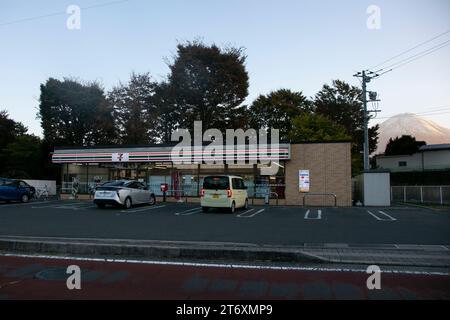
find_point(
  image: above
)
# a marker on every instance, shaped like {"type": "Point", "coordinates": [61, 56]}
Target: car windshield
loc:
{"type": "Point", "coordinates": [114, 184]}
{"type": "Point", "coordinates": [216, 183]}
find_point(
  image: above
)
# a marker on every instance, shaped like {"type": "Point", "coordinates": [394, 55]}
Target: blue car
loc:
{"type": "Point", "coordinates": [15, 190]}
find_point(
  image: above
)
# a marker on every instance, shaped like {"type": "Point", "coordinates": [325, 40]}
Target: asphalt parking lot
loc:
{"type": "Point", "coordinates": [275, 225]}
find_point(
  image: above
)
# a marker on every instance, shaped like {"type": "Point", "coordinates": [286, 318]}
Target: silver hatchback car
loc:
{"type": "Point", "coordinates": [124, 193]}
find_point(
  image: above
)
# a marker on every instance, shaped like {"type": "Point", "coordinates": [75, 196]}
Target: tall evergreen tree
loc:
{"type": "Point", "coordinates": [208, 83]}
{"type": "Point", "coordinates": [342, 103]}
{"type": "Point", "coordinates": [68, 110]}
{"type": "Point", "coordinates": [135, 112]}
{"type": "Point", "coordinates": [278, 109]}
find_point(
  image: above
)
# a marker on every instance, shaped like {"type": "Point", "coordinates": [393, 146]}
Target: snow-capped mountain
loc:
{"type": "Point", "coordinates": [414, 125]}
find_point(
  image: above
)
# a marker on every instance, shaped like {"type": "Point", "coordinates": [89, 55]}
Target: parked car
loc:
{"type": "Point", "coordinates": [15, 190]}
{"type": "Point", "coordinates": [224, 192]}
{"type": "Point", "coordinates": [124, 193]}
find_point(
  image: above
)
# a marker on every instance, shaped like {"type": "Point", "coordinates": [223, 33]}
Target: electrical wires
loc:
{"type": "Point", "coordinates": [105, 4]}
{"type": "Point", "coordinates": [432, 112]}
{"type": "Point", "coordinates": [402, 62]}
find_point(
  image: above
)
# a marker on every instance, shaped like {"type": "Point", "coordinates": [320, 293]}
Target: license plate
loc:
{"type": "Point", "coordinates": [215, 196]}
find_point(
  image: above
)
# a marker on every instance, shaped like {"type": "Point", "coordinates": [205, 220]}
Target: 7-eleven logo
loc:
{"type": "Point", "coordinates": [120, 157]}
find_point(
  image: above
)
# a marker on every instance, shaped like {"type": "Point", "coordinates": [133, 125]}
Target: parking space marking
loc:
{"type": "Point", "coordinates": [190, 212]}
{"type": "Point", "coordinates": [186, 212]}
{"type": "Point", "coordinates": [243, 213]}
{"type": "Point", "coordinates": [62, 206]}
{"type": "Point", "coordinates": [252, 215]}
{"type": "Point", "coordinates": [319, 215]}
{"type": "Point", "coordinates": [26, 204]}
{"type": "Point", "coordinates": [384, 213]}
{"type": "Point", "coordinates": [143, 209]}
{"type": "Point", "coordinates": [389, 218]}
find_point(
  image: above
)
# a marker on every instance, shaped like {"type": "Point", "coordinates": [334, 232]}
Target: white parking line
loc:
{"type": "Point", "coordinates": [26, 204]}
{"type": "Point", "coordinates": [241, 214]}
{"type": "Point", "coordinates": [252, 215]}
{"type": "Point", "coordinates": [319, 215]}
{"type": "Point", "coordinates": [392, 218]}
{"type": "Point", "coordinates": [381, 218]}
{"type": "Point", "coordinates": [255, 266]}
{"type": "Point", "coordinates": [376, 217]}
{"type": "Point", "coordinates": [75, 206]}
{"type": "Point", "coordinates": [189, 210]}
{"type": "Point", "coordinates": [143, 209]}
{"type": "Point", "coordinates": [60, 206]}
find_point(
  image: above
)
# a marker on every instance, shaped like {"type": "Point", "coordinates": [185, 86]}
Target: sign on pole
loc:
{"type": "Point", "coordinates": [303, 181]}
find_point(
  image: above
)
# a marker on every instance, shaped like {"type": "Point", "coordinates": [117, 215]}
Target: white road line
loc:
{"type": "Point", "coordinates": [27, 204]}
{"type": "Point", "coordinates": [389, 218]}
{"type": "Point", "coordinates": [58, 206]}
{"type": "Point", "coordinates": [392, 218]}
{"type": "Point", "coordinates": [191, 213]}
{"type": "Point", "coordinates": [319, 215]}
{"type": "Point", "coordinates": [73, 206]}
{"type": "Point", "coordinates": [307, 214]}
{"type": "Point", "coordinates": [218, 265]}
{"type": "Point", "coordinates": [192, 209]}
{"type": "Point", "coordinates": [144, 209]}
{"type": "Point", "coordinates": [252, 215]}
{"type": "Point", "coordinates": [376, 217]}
{"type": "Point", "coordinates": [241, 214]}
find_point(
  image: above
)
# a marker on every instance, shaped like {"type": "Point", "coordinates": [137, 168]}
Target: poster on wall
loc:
{"type": "Point", "coordinates": [303, 181]}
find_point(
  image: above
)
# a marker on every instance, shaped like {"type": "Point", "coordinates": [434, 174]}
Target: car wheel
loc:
{"type": "Point", "coordinates": [101, 205]}
{"type": "Point", "coordinates": [233, 207]}
{"type": "Point", "coordinates": [205, 209]}
{"type": "Point", "coordinates": [25, 198]}
{"type": "Point", "coordinates": [128, 203]}
{"type": "Point", "coordinates": [152, 200]}
{"type": "Point", "coordinates": [246, 204]}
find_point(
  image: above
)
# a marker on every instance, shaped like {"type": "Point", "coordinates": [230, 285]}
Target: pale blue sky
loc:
{"type": "Point", "coordinates": [290, 44]}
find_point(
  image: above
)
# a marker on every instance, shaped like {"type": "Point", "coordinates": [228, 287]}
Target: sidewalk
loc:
{"type": "Point", "coordinates": [398, 255]}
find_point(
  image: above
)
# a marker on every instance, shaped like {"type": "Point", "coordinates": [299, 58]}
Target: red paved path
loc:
{"type": "Point", "coordinates": [38, 278]}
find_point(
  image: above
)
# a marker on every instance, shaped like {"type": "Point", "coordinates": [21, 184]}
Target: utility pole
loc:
{"type": "Point", "coordinates": [366, 77]}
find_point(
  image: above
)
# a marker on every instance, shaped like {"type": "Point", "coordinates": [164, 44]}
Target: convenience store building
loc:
{"type": "Point", "coordinates": [317, 173]}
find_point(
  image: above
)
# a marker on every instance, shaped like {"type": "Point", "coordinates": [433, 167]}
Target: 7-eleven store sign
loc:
{"type": "Point", "coordinates": [120, 157]}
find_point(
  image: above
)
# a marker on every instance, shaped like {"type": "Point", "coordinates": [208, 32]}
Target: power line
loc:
{"type": "Point", "coordinates": [413, 58]}
{"type": "Point", "coordinates": [418, 55]}
{"type": "Point", "coordinates": [61, 13]}
{"type": "Point", "coordinates": [411, 49]}
{"type": "Point", "coordinates": [416, 113]}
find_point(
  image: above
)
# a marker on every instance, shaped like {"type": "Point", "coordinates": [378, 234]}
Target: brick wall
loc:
{"type": "Point", "coordinates": [330, 172]}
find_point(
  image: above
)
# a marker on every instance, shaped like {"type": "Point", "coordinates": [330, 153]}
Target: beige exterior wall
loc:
{"type": "Point", "coordinates": [413, 162]}
{"type": "Point", "coordinates": [330, 172]}
{"type": "Point", "coordinates": [432, 160]}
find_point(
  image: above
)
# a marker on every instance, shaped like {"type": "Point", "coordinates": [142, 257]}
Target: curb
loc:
{"type": "Point", "coordinates": [158, 250]}
{"type": "Point", "coordinates": [387, 255]}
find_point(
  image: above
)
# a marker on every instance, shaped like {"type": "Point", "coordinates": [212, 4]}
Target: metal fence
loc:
{"type": "Point", "coordinates": [421, 194]}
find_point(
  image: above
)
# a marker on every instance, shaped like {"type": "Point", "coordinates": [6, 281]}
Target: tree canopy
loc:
{"type": "Point", "coordinates": [404, 145]}
{"type": "Point", "coordinates": [278, 109]}
{"type": "Point", "coordinates": [134, 110]}
{"type": "Point", "coordinates": [309, 127]}
{"type": "Point", "coordinates": [207, 84]}
{"type": "Point", "coordinates": [342, 103]}
{"type": "Point", "coordinates": [68, 112]}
